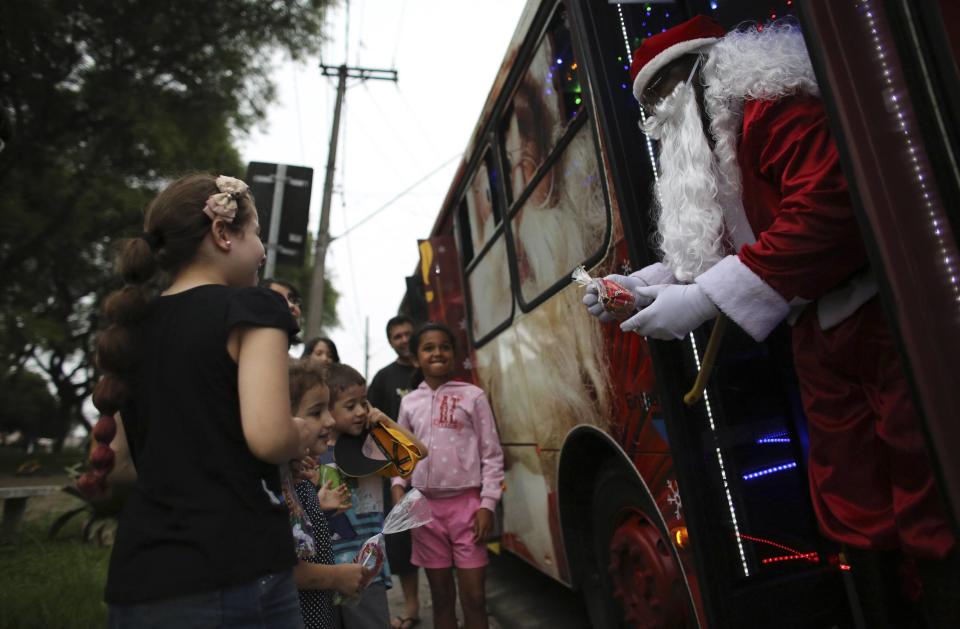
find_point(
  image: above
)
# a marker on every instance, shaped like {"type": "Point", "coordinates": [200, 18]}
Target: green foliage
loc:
{"type": "Point", "coordinates": [46, 583]}
{"type": "Point", "coordinates": [301, 278]}
{"type": "Point", "coordinates": [105, 101]}
{"type": "Point", "coordinates": [27, 405]}
{"type": "Point", "coordinates": [99, 518]}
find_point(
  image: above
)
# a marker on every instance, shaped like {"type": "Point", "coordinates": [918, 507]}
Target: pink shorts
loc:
{"type": "Point", "coordinates": [448, 540]}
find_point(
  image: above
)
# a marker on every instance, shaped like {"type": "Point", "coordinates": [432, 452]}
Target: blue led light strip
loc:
{"type": "Point", "coordinates": [770, 470]}
{"type": "Point", "coordinates": [773, 435]}
{"type": "Point", "coordinates": [764, 440]}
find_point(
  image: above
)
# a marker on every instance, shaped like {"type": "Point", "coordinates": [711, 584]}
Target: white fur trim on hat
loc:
{"type": "Point", "coordinates": [666, 56]}
{"type": "Point", "coordinates": [740, 294]}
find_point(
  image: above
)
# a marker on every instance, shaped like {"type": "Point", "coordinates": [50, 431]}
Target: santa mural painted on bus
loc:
{"type": "Point", "coordinates": [755, 222]}
{"type": "Point", "coordinates": [540, 389]}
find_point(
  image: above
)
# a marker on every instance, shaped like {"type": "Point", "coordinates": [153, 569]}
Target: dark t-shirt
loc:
{"type": "Point", "coordinates": [389, 385]}
{"type": "Point", "coordinates": [202, 516]}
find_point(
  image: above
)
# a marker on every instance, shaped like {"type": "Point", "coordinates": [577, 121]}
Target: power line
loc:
{"type": "Point", "coordinates": [396, 45]}
{"type": "Point", "coordinates": [314, 318]}
{"type": "Point", "coordinates": [346, 36]}
{"type": "Point", "coordinates": [343, 212]}
{"type": "Point", "coordinates": [393, 128]}
{"type": "Point", "coordinates": [396, 198]}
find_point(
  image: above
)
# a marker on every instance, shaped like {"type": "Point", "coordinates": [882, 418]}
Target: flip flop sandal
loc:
{"type": "Point", "coordinates": [407, 623]}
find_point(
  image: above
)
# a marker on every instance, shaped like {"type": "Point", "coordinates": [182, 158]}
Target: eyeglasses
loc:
{"type": "Point", "coordinates": [650, 96]}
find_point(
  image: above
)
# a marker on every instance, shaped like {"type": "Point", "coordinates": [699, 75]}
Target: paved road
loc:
{"type": "Point", "coordinates": [518, 597]}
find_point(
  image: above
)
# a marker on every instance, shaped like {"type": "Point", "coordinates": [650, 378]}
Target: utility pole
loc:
{"type": "Point", "coordinates": [273, 234]}
{"type": "Point", "coordinates": [315, 307]}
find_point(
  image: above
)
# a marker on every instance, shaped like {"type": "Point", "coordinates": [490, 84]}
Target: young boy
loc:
{"type": "Point", "coordinates": [317, 577]}
{"type": "Point", "coordinates": [351, 415]}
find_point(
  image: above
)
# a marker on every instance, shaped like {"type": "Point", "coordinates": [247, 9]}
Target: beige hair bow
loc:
{"type": "Point", "coordinates": [224, 203]}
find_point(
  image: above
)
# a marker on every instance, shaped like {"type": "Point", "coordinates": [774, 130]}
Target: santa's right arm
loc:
{"type": "Point", "coordinates": [813, 242]}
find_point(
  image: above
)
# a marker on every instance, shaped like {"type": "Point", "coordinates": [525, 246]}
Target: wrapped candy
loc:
{"type": "Point", "coordinates": [615, 299]}
{"type": "Point", "coordinates": [409, 513]}
{"type": "Point", "coordinates": [370, 557]}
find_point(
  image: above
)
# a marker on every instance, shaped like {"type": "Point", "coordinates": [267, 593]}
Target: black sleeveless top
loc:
{"type": "Point", "coordinates": [204, 514]}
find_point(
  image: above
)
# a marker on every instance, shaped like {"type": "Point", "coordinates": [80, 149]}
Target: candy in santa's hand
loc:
{"type": "Point", "coordinates": [618, 301]}
{"type": "Point", "coordinates": [614, 298]}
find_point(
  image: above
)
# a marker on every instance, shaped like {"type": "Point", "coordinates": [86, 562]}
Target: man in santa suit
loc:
{"type": "Point", "coordinates": [754, 220]}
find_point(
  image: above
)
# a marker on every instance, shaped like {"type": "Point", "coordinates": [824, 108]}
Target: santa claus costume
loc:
{"type": "Point", "coordinates": [756, 222]}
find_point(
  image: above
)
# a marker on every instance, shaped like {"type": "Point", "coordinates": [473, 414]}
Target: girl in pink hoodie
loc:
{"type": "Point", "coordinates": [461, 478]}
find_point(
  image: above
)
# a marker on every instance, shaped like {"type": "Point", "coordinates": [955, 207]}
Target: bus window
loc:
{"type": "Point", "coordinates": [548, 97]}
{"type": "Point", "coordinates": [482, 212]}
{"type": "Point", "coordinates": [464, 238]}
{"type": "Point", "coordinates": [563, 220]}
{"type": "Point", "coordinates": [488, 283]}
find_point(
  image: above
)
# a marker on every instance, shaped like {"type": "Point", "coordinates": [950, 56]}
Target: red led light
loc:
{"type": "Point", "coordinates": [769, 543]}
{"type": "Point", "coordinates": [811, 557]}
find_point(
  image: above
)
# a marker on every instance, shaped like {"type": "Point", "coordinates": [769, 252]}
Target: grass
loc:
{"type": "Point", "coordinates": [52, 584]}
{"type": "Point", "coordinates": [51, 464]}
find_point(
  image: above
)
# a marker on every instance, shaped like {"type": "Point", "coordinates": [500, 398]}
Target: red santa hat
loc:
{"type": "Point", "coordinates": [657, 51]}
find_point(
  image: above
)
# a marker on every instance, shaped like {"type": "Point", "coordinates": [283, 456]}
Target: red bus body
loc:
{"type": "Point", "coordinates": [667, 515]}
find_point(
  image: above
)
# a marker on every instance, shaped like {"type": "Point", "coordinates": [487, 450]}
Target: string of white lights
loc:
{"type": "Point", "coordinates": [693, 342]}
{"type": "Point", "coordinates": [916, 159]}
{"type": "Point", "coordinates": [723, 470]}
{"type": "Point", "coordinates": [643, 117]}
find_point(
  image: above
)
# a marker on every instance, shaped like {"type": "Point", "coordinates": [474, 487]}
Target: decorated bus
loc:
{"type": "Point", "coordinates": [666, 512]}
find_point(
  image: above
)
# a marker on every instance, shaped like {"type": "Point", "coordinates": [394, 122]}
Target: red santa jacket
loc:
{"type": "Point", "coordinates": [796, 200]}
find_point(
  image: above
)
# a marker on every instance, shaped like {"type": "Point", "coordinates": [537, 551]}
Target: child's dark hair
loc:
{"type": "Point", "coordinates": [309, 346]}
{"type": "Point", "coordinates": [341, 377]}
{"type": "Point", "coordinates": [417, 336]}
{"type": "Point", "coordinates": [304, 375]}
{"type": "Point", "coordinates": [267, 282]}
{"type": "Point", "coordinates": [430, 326]}
{"type": "Point", "coordinates": [174, 227]}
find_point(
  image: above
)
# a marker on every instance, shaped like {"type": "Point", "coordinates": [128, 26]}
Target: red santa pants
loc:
{"type": "Point", "coordinates": [870, 476]}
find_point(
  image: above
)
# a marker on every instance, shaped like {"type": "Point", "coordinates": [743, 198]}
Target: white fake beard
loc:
{"type": "Point", "coordinates": [690, 229]}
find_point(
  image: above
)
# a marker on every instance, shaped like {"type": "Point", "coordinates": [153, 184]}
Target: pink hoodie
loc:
{"type": "Point", "coordinates": [456, 424]}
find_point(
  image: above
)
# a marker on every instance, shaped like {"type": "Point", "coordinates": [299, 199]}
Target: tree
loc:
{"type": "Point", "coordinates": [26, 405]}
{"type": "Point", "coordinates": [104, 102]}
{"type": "Point", "coordinates": [301, 276]}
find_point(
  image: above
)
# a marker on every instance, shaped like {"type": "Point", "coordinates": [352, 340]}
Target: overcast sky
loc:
{"type": "Point", "coordinates": [447, 53]}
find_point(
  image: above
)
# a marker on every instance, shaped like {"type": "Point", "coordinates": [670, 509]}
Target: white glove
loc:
{"type": "Point", "coordinates": [656, 273]}
{"type": "Point", "coordinates": [677, 309]}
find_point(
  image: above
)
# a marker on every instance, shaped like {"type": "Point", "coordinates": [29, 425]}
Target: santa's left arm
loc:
{"type": "Point", "coordinates": [813, 242]}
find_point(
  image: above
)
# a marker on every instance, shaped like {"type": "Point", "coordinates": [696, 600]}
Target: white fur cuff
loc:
{"type": "Point", "coordinates": [741, 295]}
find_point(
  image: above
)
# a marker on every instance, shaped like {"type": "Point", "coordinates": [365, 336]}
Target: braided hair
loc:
{"type": "Point", "coordinates": [175, 225]}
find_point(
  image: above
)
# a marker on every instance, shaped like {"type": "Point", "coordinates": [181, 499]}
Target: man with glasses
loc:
{"type": "Point", "coordinates": [754, 220]}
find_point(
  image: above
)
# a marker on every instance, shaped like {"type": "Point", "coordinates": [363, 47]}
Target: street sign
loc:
{"type": "Point", "coordinates": [285, 233]}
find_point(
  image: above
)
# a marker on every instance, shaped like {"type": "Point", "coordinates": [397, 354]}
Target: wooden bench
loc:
{"type": "Point", "coordinates": [15, 503]}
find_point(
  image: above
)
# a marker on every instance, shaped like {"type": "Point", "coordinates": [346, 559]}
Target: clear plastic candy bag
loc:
{"type": "Point", "coordinates": [412, 511]}
{"type": "Point", "coordinates": [614, 298]}
{"type": "Point", "coordinates": [370, 557]}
